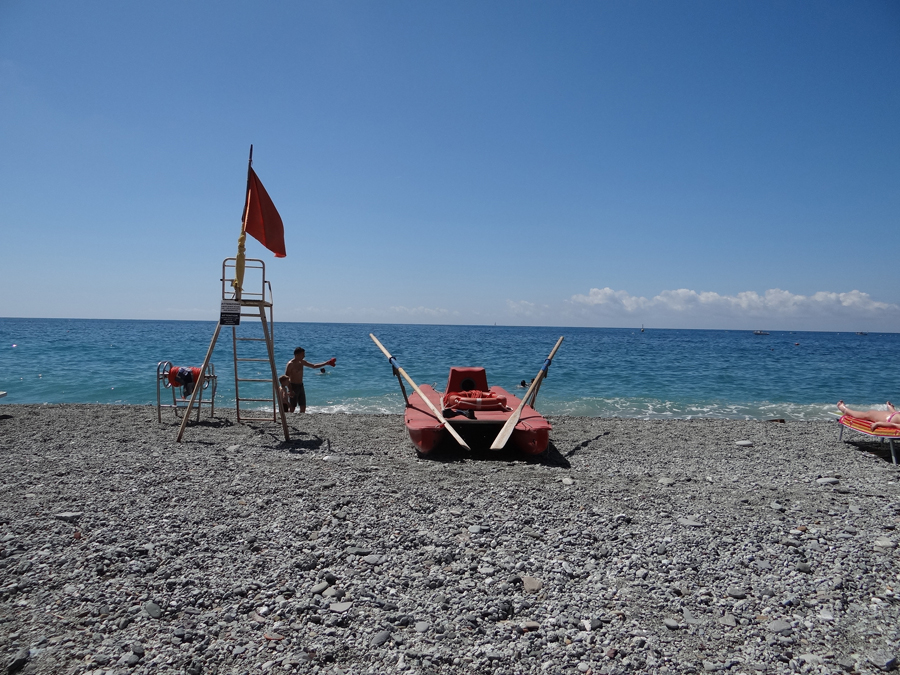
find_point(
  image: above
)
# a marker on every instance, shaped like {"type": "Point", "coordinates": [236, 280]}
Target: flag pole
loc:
{"type": "Point", "coordinates": [238, 281]}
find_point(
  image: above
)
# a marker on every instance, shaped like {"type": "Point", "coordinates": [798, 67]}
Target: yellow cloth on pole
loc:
{"type": "Point", "coordinates": [238, 281]}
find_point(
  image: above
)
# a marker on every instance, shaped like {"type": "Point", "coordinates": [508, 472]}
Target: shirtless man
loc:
{"type": "Point", "coordinates": [294, 372]}
{"type": "Point", "coordinates": [889, 418]}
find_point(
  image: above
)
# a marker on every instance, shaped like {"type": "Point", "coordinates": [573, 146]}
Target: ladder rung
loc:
{"type": "Point", "coordinates": [257, 419]}
{"type": "Point", "coordinates": [254, 315]}
{"type": "Point", "coordinates": [251, 340]}
{"type": "Point", "coordinates": [264, 360]}
{"type": "Point", "coordinates": [252, 379]}
{"type": "Point", "coordinates": [259, 400]}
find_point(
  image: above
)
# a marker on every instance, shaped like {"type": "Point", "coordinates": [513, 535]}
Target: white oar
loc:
{"type": "Point", "coordinates": [437, 413]}
{"type": "Point", "coordinates": [513, 420]}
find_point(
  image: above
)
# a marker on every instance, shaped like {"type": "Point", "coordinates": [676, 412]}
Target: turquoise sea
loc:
{"type": "Point", "coordinates": [597, 372]}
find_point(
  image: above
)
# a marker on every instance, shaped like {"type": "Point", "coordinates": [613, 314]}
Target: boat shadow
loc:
{"type": "Point", "coordinates": [448, 452]}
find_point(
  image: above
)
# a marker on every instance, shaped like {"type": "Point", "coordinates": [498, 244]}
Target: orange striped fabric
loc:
{"type": "Point", "coordinates": [865, 427]}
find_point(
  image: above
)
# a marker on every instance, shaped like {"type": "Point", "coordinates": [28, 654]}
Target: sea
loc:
{"type": "Point", "coordinates": [598, 372]}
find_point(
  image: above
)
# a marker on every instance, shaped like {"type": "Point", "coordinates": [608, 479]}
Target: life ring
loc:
{"type": "Point", "coordinates": [474, 400]}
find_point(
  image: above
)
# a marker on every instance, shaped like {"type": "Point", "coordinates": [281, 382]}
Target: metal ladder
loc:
{"type": "Point", "coordinates": [258, 305]}
{"type": "Point", "coordinates": [254, 415]}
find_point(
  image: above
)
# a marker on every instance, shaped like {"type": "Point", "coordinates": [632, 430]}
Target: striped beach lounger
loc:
{"type": "Point", "coordinates": [865, 427]}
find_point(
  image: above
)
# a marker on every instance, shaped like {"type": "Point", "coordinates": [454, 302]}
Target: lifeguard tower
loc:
{"type": "Point", "coordinates": [247, 293]}
{"type": "Point", "coordinates": [253, 345]}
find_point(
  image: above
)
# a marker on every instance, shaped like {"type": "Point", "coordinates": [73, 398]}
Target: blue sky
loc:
{"type": "Point", "coordinates": [692, 164]}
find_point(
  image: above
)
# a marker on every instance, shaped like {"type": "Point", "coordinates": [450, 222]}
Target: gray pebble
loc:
{"type": "Point", "coordinates": [882, 660]}
{"type": "Point", "coordinates": [728, 620]}
{"type": "Point", "coordinates": [380, 638]}
{"type": "Point", "coordinates": [340, 607]}
{"type": "Point", "coordinates": [153, 610]}
{"type": "Point", "coordinates": [779, 626]}
{"type": "Point", "coordinates": [689, 522]}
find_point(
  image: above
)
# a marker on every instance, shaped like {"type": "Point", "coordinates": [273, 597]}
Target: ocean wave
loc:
{"type": "Point", "coordinates": [634, 408]}
{"type": "Point", "coordinates": [651, 408]}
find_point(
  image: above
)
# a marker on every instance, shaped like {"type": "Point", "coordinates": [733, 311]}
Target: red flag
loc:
{"type": "Point", "coordinates": [263, 222]}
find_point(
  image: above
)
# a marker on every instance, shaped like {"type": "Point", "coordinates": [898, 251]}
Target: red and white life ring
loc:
{"type": "Point", "coordinates": [474, 400]}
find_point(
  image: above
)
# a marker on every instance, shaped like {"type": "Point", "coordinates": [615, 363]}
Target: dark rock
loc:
{"type": "Point", "coordinates": [18, 661]}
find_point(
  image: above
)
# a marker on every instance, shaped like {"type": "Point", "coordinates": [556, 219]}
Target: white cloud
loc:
{"type": "Point", "coordinates": [523, 308]}
{"type": "Point", "coordinates": [423, 311]}
{"type": "Point", "coordinates": [687, 308]}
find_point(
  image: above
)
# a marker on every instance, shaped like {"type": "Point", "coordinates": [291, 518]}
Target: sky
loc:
{"type": "Point", "coordinates": [697, 164]}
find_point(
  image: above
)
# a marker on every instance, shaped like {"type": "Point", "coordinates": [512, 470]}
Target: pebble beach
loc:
{"type": "Point", "coordinates": [679, 546]}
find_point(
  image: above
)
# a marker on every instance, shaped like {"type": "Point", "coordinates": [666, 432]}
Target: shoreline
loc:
{"type": "Point", "coordinates": [633, 546]}
{"type": "Point", "coordinates": [777, 415]}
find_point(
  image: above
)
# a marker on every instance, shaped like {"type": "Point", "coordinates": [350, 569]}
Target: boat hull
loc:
{"type": "Point", "coordinates": [531, 435]}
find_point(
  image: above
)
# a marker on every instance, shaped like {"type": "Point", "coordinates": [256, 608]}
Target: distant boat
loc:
{"type": "Point", "coordinates": [642, 328]}
{"type": "Point", "coordinates": [861, 332]}
{"type": "Point", "coordinates": [760, 332]}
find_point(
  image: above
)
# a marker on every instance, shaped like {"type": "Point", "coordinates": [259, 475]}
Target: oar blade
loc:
{"type": "Point", "coordinates": [513, 420]}
{"type": "Point", "coordinates": [507, 430]}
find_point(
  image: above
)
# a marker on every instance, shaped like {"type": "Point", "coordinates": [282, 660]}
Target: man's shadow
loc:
{"type": "Point", "coordinates": [302, 442]}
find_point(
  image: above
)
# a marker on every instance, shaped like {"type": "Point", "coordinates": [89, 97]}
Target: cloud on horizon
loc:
{"type": "Point", "coordinates": [776, 308]}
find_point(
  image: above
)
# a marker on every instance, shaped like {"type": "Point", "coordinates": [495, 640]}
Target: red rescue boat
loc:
{"type": "Point", "coordinates": [477, 418]}
{"type": "Point", "coordinates": [472, 413]}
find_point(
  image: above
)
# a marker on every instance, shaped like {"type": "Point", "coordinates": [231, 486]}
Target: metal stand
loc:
{"type": "Point", "coordinates": [210, 381]}
{"type": "Point", "coordinates": [260, 302]}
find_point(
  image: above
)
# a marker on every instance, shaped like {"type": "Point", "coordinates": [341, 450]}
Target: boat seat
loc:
{"type": "Point", "coordinates": [466, 379]}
